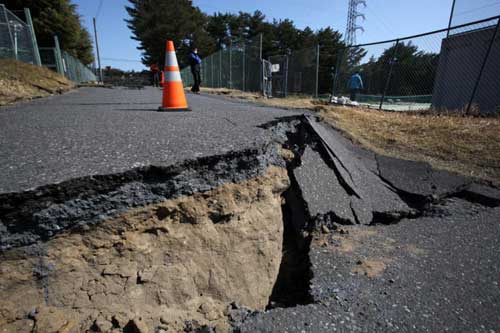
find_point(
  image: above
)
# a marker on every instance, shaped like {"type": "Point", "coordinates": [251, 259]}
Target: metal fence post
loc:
{"type": "Point", "coordinates": [483, 65]}
{"type": "Point", "coordinates": [317, 72]}
{"type": "Point", "coordinates": [220, 68]}
{"type": "Point", "coordinates": [8, 25]}
{"type": "Point", "coordinates": [230, 65]}
{"type": "Point", "coordinates": [212, 63]}
{"type": "Point", "coordinates": [261, 62]}
{"type": "Point", "coordinates": [243, 67]}
{"type": "Point", "coordinates": [286, 76]}
{"type": "Point", "coordinates": [451, 18]}
{"type": "Point", "coordinates": [58, 54]}
{"type": "Point", "coordinates": [340, 55]}
{"type": "Point", "coordinates": [36, 52]}
{"type": "Point", "coordinates": [388, 81]}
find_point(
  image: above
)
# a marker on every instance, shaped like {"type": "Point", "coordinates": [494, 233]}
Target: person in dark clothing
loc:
{"type": "Point", "coordinates": [355, 85]}
{"type": "Point", "coordinates": [155, 75]}
{"type": "Point", "coordinates": [195, 63]}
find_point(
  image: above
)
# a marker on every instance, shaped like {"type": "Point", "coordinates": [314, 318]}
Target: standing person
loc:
{"type": "Point", "coordinates": [155, 73]}
{"type": "Point", "coordinates": [355, 84]}
{"type": "Point", "coordinates": [195, 62]}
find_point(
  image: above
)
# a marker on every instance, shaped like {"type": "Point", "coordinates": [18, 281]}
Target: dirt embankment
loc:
{"type": "Point", "coordinates": [21, 81]}
{"type": "Point", "coordinates": [155, 266]}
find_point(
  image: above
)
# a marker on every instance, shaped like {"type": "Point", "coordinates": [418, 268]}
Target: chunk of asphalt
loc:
{"type": "Point", "coordinates": [418, 177]}
{"type": "Point", "coordinates": [321, 189]}
{"type": "Point", "coordinates": [482, 194]}
{"type": "Point", "coordinates": [370, 194]}
{"type": "Point", "coordinates": [75, 203]}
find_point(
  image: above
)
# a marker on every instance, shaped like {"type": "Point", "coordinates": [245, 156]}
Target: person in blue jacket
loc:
{"type": "Point", "coordinates": [195, 63]}
{"type": "Point", "coordinates": [355, 84]}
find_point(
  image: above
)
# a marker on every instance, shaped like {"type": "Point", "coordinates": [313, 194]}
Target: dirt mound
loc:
{"type": "Point", "coordinates": [152, 268]}
{"type": "Point", "coordinates": [21, 81]}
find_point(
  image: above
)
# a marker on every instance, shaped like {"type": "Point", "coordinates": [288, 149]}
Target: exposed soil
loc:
{"type": "Point", "coordinates": [160, 265]}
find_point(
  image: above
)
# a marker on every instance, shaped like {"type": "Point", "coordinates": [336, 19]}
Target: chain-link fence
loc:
{"type": "Point", "coordinates": [295, 73]}
{"type": "Point", "coordinates": [237, 66]}
{"type": "Point", "coordinates": [75, 70]}
{"type": "Point", "coordinates": [452, 70]}
{"type": "Point", "coordinates": [17, 39]}
{"type": "Point", "coordinates": [64, 63]}
{"type": "Point", "coordinates": [465, 11]}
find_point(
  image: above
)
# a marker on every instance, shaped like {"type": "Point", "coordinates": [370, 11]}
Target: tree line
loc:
{"type": "Point", "coordinates": [154, 21]}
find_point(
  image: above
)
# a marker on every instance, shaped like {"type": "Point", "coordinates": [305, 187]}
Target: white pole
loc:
{"type": "Point", "coordinates": [15, 41]}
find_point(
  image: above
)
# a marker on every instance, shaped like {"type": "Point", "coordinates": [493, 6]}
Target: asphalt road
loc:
{"type": "Point", "coordinates": [94, 131]}
{"type": "Point", "coordinates": [435, 272]}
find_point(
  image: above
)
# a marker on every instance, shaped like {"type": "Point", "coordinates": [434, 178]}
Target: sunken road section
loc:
{"type": "Point", "coordinates": [219, 243]}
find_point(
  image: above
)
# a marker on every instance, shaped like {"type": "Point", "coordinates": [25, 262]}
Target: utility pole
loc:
{"type": "Point", "coordinates": [98, 54]}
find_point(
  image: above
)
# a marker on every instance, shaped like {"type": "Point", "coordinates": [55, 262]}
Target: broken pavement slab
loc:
{"type": "Point", "coordinates": [419, 178]}
{"type": "Point", "coordinates": [321, 189]}
{"type": "Point", "coordinates": [486, 195]}
{"type": "Point", "coordinates": [337, 181]}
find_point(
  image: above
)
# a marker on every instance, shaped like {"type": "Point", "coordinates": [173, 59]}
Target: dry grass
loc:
{"type": "Point", "coordinates": [21, 81]}
{"type": "Point", "coordinates": [466, 145]}
{"type": "Point", "coordinates": [94, 85]}
{"type": "Point", "coordinates": [293, 102]}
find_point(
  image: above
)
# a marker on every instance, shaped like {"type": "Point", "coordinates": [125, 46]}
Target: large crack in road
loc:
{"type": "Point", "coordinates": [206, 245]}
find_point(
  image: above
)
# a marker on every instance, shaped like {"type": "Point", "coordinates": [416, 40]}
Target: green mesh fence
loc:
{"type": "Point", "coordinates": [16, 38]}
{"type": "Point", "coordinates": [67, 65]}
{"type": "Point", "coordinates": [48, 57]}
{"type": "Point", "coordinates": [75, 70]}
{"type": "Point", "coordinates": [17, 41]}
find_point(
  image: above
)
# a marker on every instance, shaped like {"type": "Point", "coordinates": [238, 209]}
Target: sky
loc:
{"type": "Point", "coordinates": [385, 19]}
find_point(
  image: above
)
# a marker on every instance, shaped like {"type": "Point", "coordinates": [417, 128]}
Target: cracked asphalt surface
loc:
{"type": "Point", "coordinates": [94, 131]}
{"type": "Point", "coordinates": [439, 271]}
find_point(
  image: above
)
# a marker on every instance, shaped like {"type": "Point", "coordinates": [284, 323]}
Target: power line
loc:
{"type": "Point", "coordinates": [122, 60]}
{"type": "Point", "coordinates": [99, 8]}
{"type": "Point", "coordinates": [381, 20]}
{"type": "Point", "coordinates": [496, 3]}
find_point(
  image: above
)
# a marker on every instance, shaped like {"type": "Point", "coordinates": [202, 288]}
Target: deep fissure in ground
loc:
{"type": "Point", "coordinates": [77, 206]}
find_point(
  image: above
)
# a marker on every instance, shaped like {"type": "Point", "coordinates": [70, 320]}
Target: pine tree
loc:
{"type": "Point", "coordinates": [57, 17]}
{"type": "Point", "coordinates": [152, 22]}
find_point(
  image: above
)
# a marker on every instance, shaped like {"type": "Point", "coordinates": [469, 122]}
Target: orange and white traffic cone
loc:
{"type": "Point", "coordinates": [174, 98]}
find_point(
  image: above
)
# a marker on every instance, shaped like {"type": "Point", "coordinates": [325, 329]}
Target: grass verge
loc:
{"type": "Point", "coordinates": [22, 81]}
{"type": "Point", "coordinates": [468, 146]}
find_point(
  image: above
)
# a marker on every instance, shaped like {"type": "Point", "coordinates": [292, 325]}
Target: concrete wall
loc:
{"type": "Point", "coordinates": [459, 65]}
